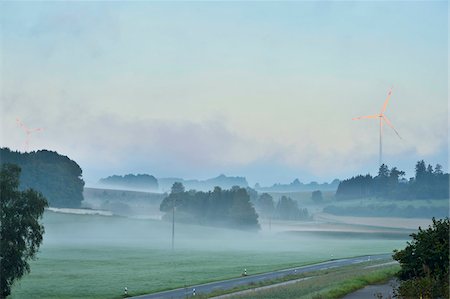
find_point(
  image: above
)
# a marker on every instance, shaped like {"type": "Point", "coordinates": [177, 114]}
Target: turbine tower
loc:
{"type": "Point", "coordinates": [383, 119]}
{"type": "Point", "coordinates": [28, 132]}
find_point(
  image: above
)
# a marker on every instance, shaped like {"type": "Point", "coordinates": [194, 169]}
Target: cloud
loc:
{"type": "Point", "coordinates": [124, 87]}
{"type": "Point", "coordinates": [111, 140]}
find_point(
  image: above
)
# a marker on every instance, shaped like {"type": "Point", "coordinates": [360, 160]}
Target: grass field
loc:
{"type": "Point", "coordinates": [90, 256]}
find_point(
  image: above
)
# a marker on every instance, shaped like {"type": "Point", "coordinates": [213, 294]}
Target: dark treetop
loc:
{"type": "Point", "coordinates": [56, 176]}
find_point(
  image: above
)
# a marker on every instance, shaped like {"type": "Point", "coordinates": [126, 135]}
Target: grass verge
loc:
{"type": "Point", "coordinates": [331, 283]}
{"type": "Point", "coordinates": [352, 284]}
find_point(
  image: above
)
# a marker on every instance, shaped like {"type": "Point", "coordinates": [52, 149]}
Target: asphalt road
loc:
{"type": "Point", "coordinates": [231, 283]}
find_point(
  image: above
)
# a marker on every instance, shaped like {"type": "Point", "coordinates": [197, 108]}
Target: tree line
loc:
{"type": "Point", "coordinates": [56, 176]}
{"type": "Point", "coordinates": [428, 183]}
{"type": "Point", "coordinates": [218, 207]}
{"type": "Point", "coordinates": [285, 209]}
{"type": "Point", "coordinates": [296, 186]}
{"type": "Point", "coordinates": [237, 207]}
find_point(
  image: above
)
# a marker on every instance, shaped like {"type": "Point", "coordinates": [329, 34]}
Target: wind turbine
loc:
{"type": "Point", "coordinates": [27, 131]}
{"type": "Point", "coordinates": [383, 119]}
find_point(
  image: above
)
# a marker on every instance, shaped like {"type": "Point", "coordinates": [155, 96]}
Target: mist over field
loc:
{"type": "Point", "coordinates": [149, 242]}
{"type": "Point", "coordinates": [179, 143]}
{"type": "Point", "coordinates": [96, 256]}
{"type": "Point", "coordinates": [76, 230]}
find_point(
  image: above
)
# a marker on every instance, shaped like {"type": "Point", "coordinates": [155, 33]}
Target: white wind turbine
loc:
{"type": "Point", "coordinates": [383, 119]}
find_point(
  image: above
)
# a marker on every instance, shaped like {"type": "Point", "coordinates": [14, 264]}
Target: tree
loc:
{"type": "Point", "coordinates": [425, 262]}
{"type": "Point", "coordinates": [266, 205]}
{"type": "Point", "coordinates": [422, 187]}
{"type": "Point", "coordinates": [438, 169]}
{"type": "Point", "coordinates": [175, 198]}
{"type": "Point", "coordinates": [242, 212]}
{"type": "Point", "coordinates": [420, 170]}
{"type": "Point", "coordinates": [381, 181]}
{"type": "Point", "coordinates": [177, 187]}
{"type": "Point", "coordinates": [287, 209]}
{"type": "Point", "coordinates": [252, 193]}
{"type": "Point", "coordinates": [21, 232]}
{"type": "Point", "coordinates": [394, 188]}
{"type": "Point", "coordinates": [395, 175]}
{"type": "Point", "coordinates": [430, 170]}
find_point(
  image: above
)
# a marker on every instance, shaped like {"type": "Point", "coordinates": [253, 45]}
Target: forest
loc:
{"type": "Point", "coordinates": [236, 207]}
{"type": "Point", "coordinates": [56, 176]}
{"type": "Point", "coordinates": [231, 208]}
{"type": "Point", "coordinates": [428, 183]}
{"type": "Point", "coordinates": [285, 209]}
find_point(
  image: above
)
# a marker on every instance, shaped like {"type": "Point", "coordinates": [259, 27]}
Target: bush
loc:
{"type": "Point", "coordinates": [425, 262]}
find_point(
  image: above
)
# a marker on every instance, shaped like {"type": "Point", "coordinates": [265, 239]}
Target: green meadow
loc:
{"type": "Point", "coordinates": [89, 256]}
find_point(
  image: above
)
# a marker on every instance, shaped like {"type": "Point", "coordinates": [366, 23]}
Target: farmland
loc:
{"type": "Point", "coordinates": [92, 256]}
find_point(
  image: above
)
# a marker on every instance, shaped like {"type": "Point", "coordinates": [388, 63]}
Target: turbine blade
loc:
{"type": "Point", "coordinates": [388, 122]}
{"type": "Point", "coordinates": [367, 116]}
{"type": "Point", "coordinates": [386, 101]}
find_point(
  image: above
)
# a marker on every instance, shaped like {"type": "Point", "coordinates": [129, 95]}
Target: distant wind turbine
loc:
{"type": "Point", "coordinates": [27, 131]}
{"type": "Point", "coordinates": [383, 119]}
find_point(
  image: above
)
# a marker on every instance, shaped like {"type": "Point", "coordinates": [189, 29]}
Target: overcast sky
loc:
{"type": "Point", "coordinates": [264, 90]}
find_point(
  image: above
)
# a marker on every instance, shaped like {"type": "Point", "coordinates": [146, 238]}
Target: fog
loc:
{"type": "Point", "coordinates": [135, 220]}
{"type": "Point", "coordinates": [325, 240]}
{"type": "Point", "coordinates": [101, 253]}
{"type": "Point", "coordinates": [128, 221]}
{"type": "Point", "coordinates": [124, 203]}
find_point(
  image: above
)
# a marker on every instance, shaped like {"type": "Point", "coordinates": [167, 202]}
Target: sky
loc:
{"type": "Point", "coordinates": [265, 90]}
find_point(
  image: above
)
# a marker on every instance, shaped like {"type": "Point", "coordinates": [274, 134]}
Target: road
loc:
{"type": "Point", "coordinates": [231, 283]}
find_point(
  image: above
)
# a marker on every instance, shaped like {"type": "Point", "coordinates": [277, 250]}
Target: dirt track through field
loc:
{"type": "Point", "coordinates": [261, 288]}
{"type": "Point", "coordinates": [385, 290]}
{"type": "Point", "coordinates": [389, 222]}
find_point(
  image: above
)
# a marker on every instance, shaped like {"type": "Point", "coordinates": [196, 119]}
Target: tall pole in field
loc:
{"type": "Point", "coordinates": [176, 198]}
{"type": "Point", "coordinates": [173, 227]}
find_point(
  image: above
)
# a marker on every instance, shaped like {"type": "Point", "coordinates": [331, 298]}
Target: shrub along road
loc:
{"type": "Point", "coordinates": [251, 279]}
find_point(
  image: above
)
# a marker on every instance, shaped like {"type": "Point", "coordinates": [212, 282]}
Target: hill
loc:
{"type": "Point", "coordinates": [222, 181]}
{"type": "Point", "coordinates": [142, 182]}
{"type": "Point", "coordinates": [297, 186]}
